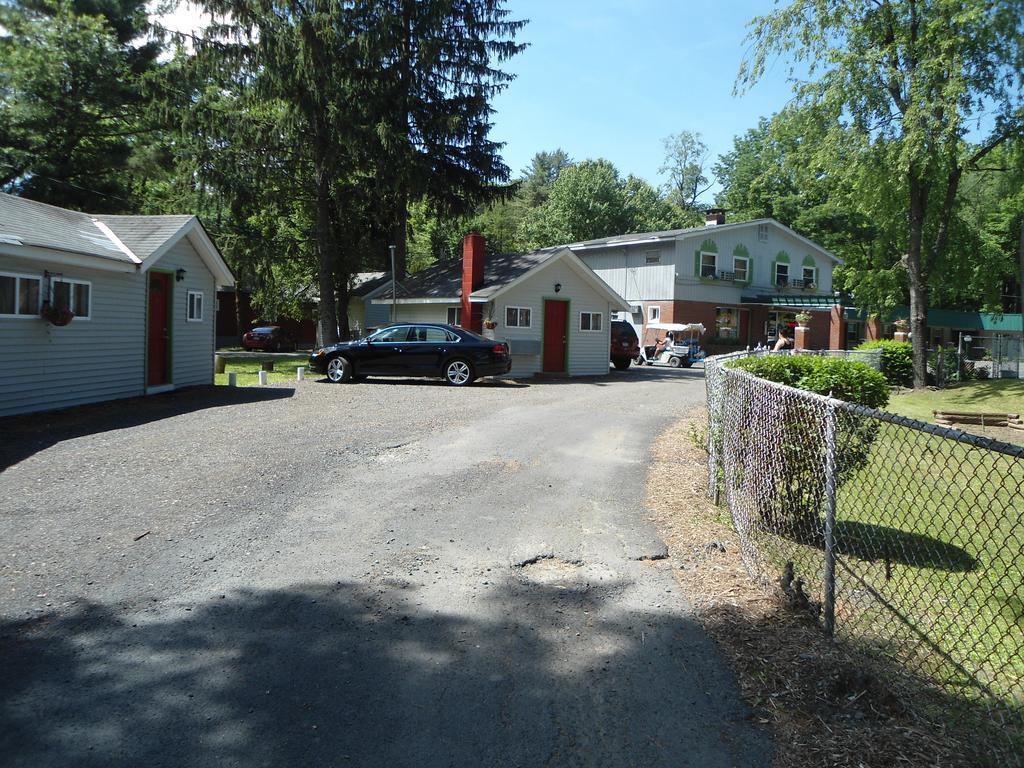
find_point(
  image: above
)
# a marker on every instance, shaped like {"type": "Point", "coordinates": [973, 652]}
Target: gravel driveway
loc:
{"type": "Point", "coordinates": [395, 573]}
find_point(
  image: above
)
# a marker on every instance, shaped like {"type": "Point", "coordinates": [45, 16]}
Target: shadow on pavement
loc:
{"type": "Point", "coordinates": [632, 375]}
{"type": "Point", "coordinates": [341, 674]}
{"type": "Point", "coordinates": [29, 434]}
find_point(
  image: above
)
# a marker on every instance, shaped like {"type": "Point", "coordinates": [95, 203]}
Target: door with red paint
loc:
{"type": "Point", "coordinates": [556, 333]}
{"type": "Point", "coordinates": [159, 328]}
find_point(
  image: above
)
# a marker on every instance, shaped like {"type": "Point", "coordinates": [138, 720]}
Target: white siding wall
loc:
{"type": "Point", "coordinates": [588, 351]}
{"type": "Point", "coordinates": [192, 344]}
{"type": "Point", "coordinates": [627, 270]}
{"type": "Point", "coordinates": [422, 313]}
{"type": "Point", "coordinates": [43, 367]}
{"type": "Point", "coordinates": [630, 274]}
{"type": "Point", "coordinates": [763, 254]}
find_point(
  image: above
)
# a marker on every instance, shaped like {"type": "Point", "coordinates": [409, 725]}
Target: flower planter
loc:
{"type": "Point", "coordinates": [57, 316]}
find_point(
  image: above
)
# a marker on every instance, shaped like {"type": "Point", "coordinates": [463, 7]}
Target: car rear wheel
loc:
{"type": "Point", "coordinates": [621, 363]}
{"type": "Point", "coordinates": [339, 369]}
{"type": "Point", "coordinates": [458, 373]}
{"type": "Point", "coordinates": [673, 362]}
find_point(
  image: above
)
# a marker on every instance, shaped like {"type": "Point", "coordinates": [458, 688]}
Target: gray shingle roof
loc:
{"type": "Point", "coordinates": [443, 280]}
{"type": "Point", "coordinates": [144, 234]}
{"type": "Point", "coordinates": [28, 222]}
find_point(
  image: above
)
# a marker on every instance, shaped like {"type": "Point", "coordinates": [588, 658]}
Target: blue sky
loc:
{"type": "Point", "coordinates": [612, 78]}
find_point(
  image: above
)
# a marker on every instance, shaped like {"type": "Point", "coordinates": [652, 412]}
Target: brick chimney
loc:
{"type": "Point", "coordinates": [474, 248]}
{"type": "Point", "coordinates": [714, 216]}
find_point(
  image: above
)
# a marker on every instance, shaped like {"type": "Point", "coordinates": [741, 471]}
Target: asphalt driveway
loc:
{"type": "Point", "coordinates": [389, 574]}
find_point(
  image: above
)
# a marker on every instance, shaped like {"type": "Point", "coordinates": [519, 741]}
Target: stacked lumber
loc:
{"type": "Point", "coordinates": [948, 418]}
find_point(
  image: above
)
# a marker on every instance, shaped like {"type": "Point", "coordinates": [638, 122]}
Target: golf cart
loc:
{"type": "Point", "coordinates": [684, 351]}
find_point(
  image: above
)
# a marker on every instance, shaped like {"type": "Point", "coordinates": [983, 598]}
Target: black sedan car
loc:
{"type": "Point", "coordinates": [415, 349]}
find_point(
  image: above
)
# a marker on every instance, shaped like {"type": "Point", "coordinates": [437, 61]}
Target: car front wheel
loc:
{"type": "Point", "coordinates": [458, 373]}
{"type": "Point", "coordinates": [621, 363]}
{"type": "Point", "coordinates": [339, 369]}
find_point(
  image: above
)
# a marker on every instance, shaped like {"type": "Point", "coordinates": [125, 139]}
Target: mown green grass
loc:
{"type": "Point", "coordinates": [248, 372]}
{"type": "Point", "coordinates": [995, 396]}
{"type": "Point", "coordinates": [932, 530]}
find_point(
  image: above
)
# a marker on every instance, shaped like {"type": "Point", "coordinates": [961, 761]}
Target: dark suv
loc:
{"type": "Point", "coordinates": [625, 344]}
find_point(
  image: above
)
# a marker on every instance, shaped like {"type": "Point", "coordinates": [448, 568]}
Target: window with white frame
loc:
{"type": "Point", "coordinates": [708, 264]}
{"type": "Point", "coordinates": [781, 273]}
{"type": "Point", "coordinates": [762, 233]}
{"type": "Point", "coordinates": [75, 295]}
{"type": "Point", "coordinates": [19, 295]}
{"type": "Point", "coordinates": [652, 257]}
{"type": "Point", "coordinates": [455, 316]}
{"type": "Point", "coordinates": [195, 307]}
{"type": "Point", "coordinates": [740, 268]}
{"type": "Point", "coordinates": [590, 321]}
{"type": "Point", "coordinates": [810, 276]}
{"type": "Point", "coordinates": [517, 317]}
{"type": "Point", "coordinates": [653, 314]}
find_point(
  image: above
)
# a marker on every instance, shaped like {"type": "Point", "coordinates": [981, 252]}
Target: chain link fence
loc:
{"type": "Point", "coordinates": [905, 539]}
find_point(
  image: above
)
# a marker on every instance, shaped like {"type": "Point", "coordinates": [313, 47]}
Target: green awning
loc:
{"type": "Point", "coordinates": [774, 300]}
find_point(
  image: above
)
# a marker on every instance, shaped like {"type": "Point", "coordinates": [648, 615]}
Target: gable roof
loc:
{"type": "Point", "coordinates": [641, 238]}
{"type": "Point", "coordinates": [131, 242]}
{"type": "Point", "coordinates": [367, 283]}
{"type": "Point", "coordinates": [442, 282]}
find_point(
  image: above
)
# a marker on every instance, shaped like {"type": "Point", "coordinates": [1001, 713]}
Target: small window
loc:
{"type": "Point", "coordinates": [590, 321]}
{"type": "Point", "coordinates": [517, 317]}
{"type": "Point", "coordinates": [707, 265]}
{"type": "Point", "coordinates": [652, 257]}
{"type": "Point", "coordinates": [762, 233]}
{"type": "Point", "coordinates": [740, 268]}
{"type": "Point", "coordinates": [195, 306]}
{"type": "Point", "coordinates": [653, 314]}
{"type": "Point", "coordinates": [781, 273]}
{"type": "Point", "coordinates": [19, 295]}
{"type": "Point", "coordinates": [810, 276]}
{"type": "Point", "coordinates": [455, 316]}
{"type": "Point", "coordinates": [727, 322]}
{"type": "Point", "coordinates": [75, 295]}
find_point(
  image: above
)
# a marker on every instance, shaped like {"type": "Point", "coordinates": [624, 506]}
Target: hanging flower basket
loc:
{"type": "Point", "coordinates": [59, 316]}
{"type": "Point", "coordinates": [490, 324]}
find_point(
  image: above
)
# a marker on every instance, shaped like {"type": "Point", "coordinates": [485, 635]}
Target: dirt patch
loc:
{"type": "Point", "coordinates": [824, 709]}
{"type": "Point", "coordinates": [551, 571]}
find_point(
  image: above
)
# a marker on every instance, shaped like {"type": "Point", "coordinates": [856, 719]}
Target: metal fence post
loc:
{"type": "Point", "coordinates": [829, 608]}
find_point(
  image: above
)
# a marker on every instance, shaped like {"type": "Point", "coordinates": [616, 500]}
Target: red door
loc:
{"type": "Point", "coordinates": [159, 287]}
{"type": "Point", "coordinates": [556, 317]}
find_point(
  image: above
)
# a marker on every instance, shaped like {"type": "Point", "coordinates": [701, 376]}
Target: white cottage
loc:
{"type": "Point", "coordinates": [548, 305]}
{"type": "Point", "coordinates": [140, 292]}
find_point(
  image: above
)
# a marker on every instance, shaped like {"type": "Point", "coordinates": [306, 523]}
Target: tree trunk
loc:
{"type": "Point", "coordinates": [325, 257]}
{"type": "Point", "coordinates": [918, 282]}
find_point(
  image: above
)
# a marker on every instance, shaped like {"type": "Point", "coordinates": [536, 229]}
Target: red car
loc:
{"type": "Point", "coordinates": [625, 344]}
{"type": "Point", "coordinates": [268, 338]}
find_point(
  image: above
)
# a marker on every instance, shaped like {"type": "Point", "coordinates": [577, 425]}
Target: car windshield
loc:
{"type": "Point", "coordinates": [265, 329]}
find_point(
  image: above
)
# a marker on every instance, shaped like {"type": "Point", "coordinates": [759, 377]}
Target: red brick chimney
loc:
{"type": "Point", "coordinates": [714, 216]}
{"type": "Point", "coordinates": [474, 248]}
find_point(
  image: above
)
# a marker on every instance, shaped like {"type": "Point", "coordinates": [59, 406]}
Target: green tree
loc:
{"type": "Point", "coordinates": [71, 101]}
{"type": "Point", "coordinates": [915, 78]}
{"type": "Point", "coordinates": [590, 200]}
{"type": "Point", "coordinates": [686, 159]}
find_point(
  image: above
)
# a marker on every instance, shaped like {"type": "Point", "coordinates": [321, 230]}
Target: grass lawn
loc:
{"type": "Point", "coordinates": [248, 372]}
{"type": "Point", "coordinates": [930, 545]}
{"type": "Point", "coordinates": [995, 396]}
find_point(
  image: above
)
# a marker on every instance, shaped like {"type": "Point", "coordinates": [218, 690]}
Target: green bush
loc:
{"type": "Point", "coordinates": [796, 465]}
{"type": "Point", "coordinates": [897, 361]}
{"type": "Point", "coordinates": [848, 380]}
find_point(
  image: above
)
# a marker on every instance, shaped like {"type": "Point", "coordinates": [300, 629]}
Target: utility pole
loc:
{"type": "Point", "coordinates": [394, 296]}
{"type": "Point", "coordinates": [1020, 281]}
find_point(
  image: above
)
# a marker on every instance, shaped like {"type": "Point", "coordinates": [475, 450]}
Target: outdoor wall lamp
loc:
{"type": "Point", "coordinates": [558, 287]}
{"type": "Point", "coordinates": [179, 274]}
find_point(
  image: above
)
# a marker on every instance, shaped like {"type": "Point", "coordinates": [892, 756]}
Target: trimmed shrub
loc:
{"type": "Point", "coordinates": [793, 508]}
{"type": "Point", "coordinates": [848, 380]}
{"type": "Point", "coordinates": [897, 361]}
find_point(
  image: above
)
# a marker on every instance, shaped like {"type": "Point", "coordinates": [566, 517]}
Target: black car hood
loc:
{"type": "Point", "coordinates": [346, 345]}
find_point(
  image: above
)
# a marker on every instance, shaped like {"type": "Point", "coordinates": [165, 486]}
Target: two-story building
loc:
{"type": "Point", "coordinates": [742, 281]}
